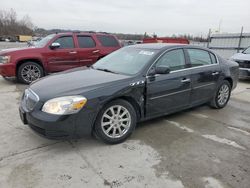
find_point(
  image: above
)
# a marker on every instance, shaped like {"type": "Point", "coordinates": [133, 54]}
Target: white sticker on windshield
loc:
{"type": "Point", "coordinates": [146, 52]}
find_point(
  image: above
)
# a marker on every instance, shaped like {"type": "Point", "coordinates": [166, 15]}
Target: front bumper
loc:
{"type": "Point", "coordinates": [7, 70]}
{"type": "Point", "coordinates": [244, 73]}
{"type": "Point", "coordinates": [59, 127]}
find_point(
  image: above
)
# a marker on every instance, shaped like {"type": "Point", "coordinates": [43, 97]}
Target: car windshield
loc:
{"type": "Point", "coordinates": [247, 51]}
{"type": "Point", "coordinates": [44, 41]}
{"type": "Point", "coordinates": [127, 60]}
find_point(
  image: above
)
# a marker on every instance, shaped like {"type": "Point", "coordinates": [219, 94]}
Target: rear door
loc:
{"type": "Point", "coordinates": [205, 72]}
{"type": "Point", "coordinates": [108, 44]}
{"type": "Point", "coordinates": [87, 50]}
{"type": "Point", "coordinates": [169, 92]}
{"type": "Point", "coordinates": [62, 58]}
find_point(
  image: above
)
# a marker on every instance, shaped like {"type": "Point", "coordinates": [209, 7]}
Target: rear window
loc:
{"type": "Point", "coordinates": [199, 57]}
{"type": "Point", "coordinates": [86, 42]}
{"type": "Point", "coordinates": [108, 41]}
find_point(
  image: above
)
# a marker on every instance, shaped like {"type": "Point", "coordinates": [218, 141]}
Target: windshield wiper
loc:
{"type": "Point", "coordinates": [106, 70]}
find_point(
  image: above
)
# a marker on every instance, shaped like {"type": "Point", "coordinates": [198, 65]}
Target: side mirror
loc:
{"type": "Point", "coordinates": [162, 69]}
{"type": "Point", "coordinates": [55, 45]}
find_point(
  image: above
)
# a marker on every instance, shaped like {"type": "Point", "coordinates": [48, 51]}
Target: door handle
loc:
{"type": "Point", "coordinates": [73, 52]}
{"type": "Point", "coordinates": [185, 80]}
{"type": "Point", "coordinates": [95, 51]}
{"type": "Point", "coordinates": [215, 73]}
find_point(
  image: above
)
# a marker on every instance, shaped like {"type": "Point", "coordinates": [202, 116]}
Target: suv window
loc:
{"type": "Point", "coordinates": [86, 42]}
{"type": "Point", "coordinates": [108, 41]}
{"type": "Point", "coordinates": [65, 42]}
{"type": "Point", "coordinates": [199, 57]}
{"type": "Point", "coordinates": [174, 59]}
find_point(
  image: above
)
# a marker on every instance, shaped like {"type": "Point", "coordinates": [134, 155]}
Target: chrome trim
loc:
{"type": "Point", "coordinates": [194, 68]}
{"type": "Point", "coordinates": [85, 60]}
{"type": "Point", "coordinates": [244, 69]}
{"type": "Point", "coordinates": [203, 86]}
{"type": "Point", "coordinates": [188, 69]}
{"type": "Point", "coordinates": [186, 80]}
{"type": "Point", "coordinates": [152, 98]}
{"type": "Point", "coordinates": [215, 73]}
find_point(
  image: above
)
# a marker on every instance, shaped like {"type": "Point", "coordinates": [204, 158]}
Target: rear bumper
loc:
{"type": "Point", "coordinates": [244, 73]}
{"type": "Point", "coordinates": [7, 70]}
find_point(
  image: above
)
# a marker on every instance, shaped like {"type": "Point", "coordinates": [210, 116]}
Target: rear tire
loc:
{"type": "Point", "coordinates": [29, 72]}
{"type": "Point", "coordinates": [115, 122]}
{"type": "Point", "coordinates": [222, 95]}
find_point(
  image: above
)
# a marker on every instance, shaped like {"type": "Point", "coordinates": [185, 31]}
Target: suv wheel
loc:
{"type": "Point", "coordinates": [115, 122]}
{"type": "Point", "coordinates": [222, 95]}
{"type": "Point", "coordinates": [29, 72]}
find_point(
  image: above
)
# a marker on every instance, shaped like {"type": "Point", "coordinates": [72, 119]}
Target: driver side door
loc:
{"type": "Point", "coordinates": [64, 57]}
{"type": "Point", "coordinates": [170, 92]}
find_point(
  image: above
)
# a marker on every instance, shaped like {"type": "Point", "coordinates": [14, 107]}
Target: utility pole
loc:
{"type": "Point", "coordinates": [208, 38]}
{"type": "Point", "coordinates": [239, 45]}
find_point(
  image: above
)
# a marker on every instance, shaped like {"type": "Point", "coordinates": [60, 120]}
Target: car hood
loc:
{"type": "Point", "coordinates": [74, 82]}
{"type": "Point", "coordinates": [241, 56]}
{"type": "Point", "coordinates": [10, 50]}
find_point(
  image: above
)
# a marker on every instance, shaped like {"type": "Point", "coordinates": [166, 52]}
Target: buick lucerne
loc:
{"type": "Point", "coordinates": [130, 85]}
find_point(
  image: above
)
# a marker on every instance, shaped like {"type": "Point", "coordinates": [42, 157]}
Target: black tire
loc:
{"type": "Point", "coordinates": [99, 131]}
{"type": "Point", "coordinates": [32, 77]}
{"type": "Point", "coordinates": [214, 103]}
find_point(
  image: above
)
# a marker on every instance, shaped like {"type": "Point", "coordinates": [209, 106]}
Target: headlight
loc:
{"type": "Point", "coordinates": [64, 105]}
{"type": "Point", "coordinates": [4, 59]}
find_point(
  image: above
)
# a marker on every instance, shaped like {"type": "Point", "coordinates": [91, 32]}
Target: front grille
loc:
{"type": "Point", "coordinates": [29, 99]}
{"type": "Point", "coordinates": [244, 64]}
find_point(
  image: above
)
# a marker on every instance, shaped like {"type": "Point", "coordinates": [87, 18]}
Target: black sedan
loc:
{"type": "Point", "coordinates": [133, 84]}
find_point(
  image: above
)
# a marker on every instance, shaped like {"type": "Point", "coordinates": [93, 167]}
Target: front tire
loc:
{"type": "Point", "coordinates": [222, 95]}
{"type": "Point", "coordinates": [115, 122]}
{"type": "Point", "coordinates": [29, 72]}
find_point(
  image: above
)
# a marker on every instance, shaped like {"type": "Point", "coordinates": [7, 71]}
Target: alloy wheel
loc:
{"type": "Point", "coordinates": [116, 121]}
{"type": "Point", "coordinates": [30, 73]}
{"type": "Point", "coordinates": [223, 94]}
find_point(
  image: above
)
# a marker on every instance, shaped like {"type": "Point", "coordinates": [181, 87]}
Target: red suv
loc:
{"type": "Point", "coordinates": [54, 53]}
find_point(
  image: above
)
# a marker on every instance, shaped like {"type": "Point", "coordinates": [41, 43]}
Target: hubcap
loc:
{"type": "Point", "coordinates": [223, 95]}
{"type": "Point", "coordinates": [116, 121]}
{"type": "Point", "coordinates": [30, 73]}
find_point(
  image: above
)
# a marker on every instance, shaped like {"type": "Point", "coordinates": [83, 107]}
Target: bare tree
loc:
{"type": "Point", "coordinates": [11, 26]}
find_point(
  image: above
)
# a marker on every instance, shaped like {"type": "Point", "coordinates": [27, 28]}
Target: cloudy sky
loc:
{"type": "Point", "coordinates": [163, 17]}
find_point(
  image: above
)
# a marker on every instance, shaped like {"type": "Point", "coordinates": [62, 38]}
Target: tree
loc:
{"type": "Point", "coordinates": [11, 26]}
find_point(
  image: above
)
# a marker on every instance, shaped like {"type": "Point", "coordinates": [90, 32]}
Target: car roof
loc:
{"type": "Point", "coordinates": [84, 33]}
{"type": "Point", "coordinates": [165, 46]}
{"type": "Point", "coordinates": [157, 46]}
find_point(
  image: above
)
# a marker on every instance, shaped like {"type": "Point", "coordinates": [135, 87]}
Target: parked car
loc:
{"type": "Point", "coordinates": [243, 59]}
{"type": "Point", "coordinates": [165, 40]}
{"type": "Point", "coordinates": [54, 53]}
{"type": "Point", "coordinates": [133, 84]}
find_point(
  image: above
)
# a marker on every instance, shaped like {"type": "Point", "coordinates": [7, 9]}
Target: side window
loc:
{"type": "Point", "coordinates": [86, 42]}
{"type": "Point", "coordinates": [199, 57]}
{"type": "Point", "coordinates": [174, 59]}
{"type": "Point", "coordinates": [65, 42]}
{"type": "Point", "coordinates": [213, 58]}
{"type": "Point", "coordinates": [108, 41]}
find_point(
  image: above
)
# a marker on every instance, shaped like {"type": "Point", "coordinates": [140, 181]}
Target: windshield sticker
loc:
{"type": "Point", "coordinates": [146, 52]}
